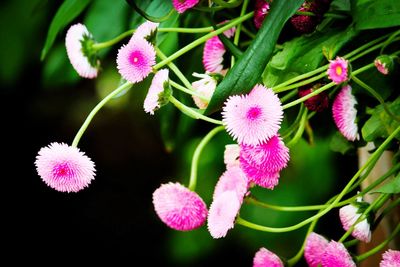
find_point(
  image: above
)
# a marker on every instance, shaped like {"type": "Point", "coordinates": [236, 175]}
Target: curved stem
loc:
{"type": "Point", "coordinates": [239, 28]}
{"type": "Point", "coordinates": [299, 131]}
{"type": "Point", "coordinates": [295, 85]}
{"type": "Point", "coordinates": [299, 254]}
{"type": "Point", "coordinates": [197, 153]}
{"type": "Point", "coordinates": [98, 46]}
{"type": "Point", "coordinates": [89, 118]}
{"type": "Point", "coordinates": [187, 91]}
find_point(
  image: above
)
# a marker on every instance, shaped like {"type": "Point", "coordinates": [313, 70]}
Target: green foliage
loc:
{"type": "Point", "coordinates": [372, 14]}
{"type": "Point", "coordinates": [340, 144]}
{"type": "Point", "coordinates": [391, 187]}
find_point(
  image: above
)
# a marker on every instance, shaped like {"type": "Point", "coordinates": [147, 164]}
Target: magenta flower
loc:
{"type": "Point", "coordinates": [231, 155]}
{"type": "Point", "coordinates": [345, 114]}
{"type": "Point", "coordinates": [233, 179]}
{"type": "Point", "coordinates": [262, 163]}
{"type": "Point", "coordinates": [183, 5]}
{"type": "Point", "coordinates": [336, 255]}
{"type": "Point", "coordinates": [254, 118]}
{"type": "Point", "coordinates": [261, 10]}
{"type": "Point", "coordinates": [381, 67]}
{"type": "Point", "coordinates": [349, 214]}
{"type": "Point", "coordinates": [391, 258]}
{"type": "Point", "coordinates": [145, 30]}
{"type": "Point", "coordinates": [77, 43]}
{"type": "Point", "coordinates": [205, 87]}
{"type": "Point", "coordinates": [314, 249]}
{"type": "Point", "coordinates": [178, 207]}
{"type": "Point", "coordinates": [265, 258]}
{"type": "Point", "coordinates": [305, 23]}
{"type": "Point", "coordinates": [64, 168]}
{"type": "Point", "coordinates": [384, 64]}
{"type": "Point", "coordinates": [135, 60]}
{"type": "Point", "coordinates": [338, 70]}
{"type": "Point", "coordinates": [222, 214]}
{"type": "Point", "coordinates": [154, 98]}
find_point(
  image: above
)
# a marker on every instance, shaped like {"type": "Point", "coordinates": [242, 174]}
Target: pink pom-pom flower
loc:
{"type": "Point", "coordinates": [261, 10]}
{"type": "Point", "coordinates": [135, 60]}
{"type": "Point", "coordinates": [78, 42]}
{"type": "Point", "coordinates": [314, 248]}
{"type": "Point", "coordinates": [265, 258]}
{"type": "Point", "coordinates": [183, 5]}
{"type": "Point", "coordinates": [338, 70]}
{"type": "Point", "coordinates": [336, 254]}
{"type": "Point", "coordinates": [205, 87]}
{"type": "Point", "coordinates": [253, 118]}
{"type": "Point", "coordinates": [262, 163]}
{"type": "Point", "coordinates": [233, 179]}
{"type": "Point", "coordinates": [155, 97]}
{"type": "Point", "coordinates": [349, 214]}
{"type": "Point", "coordinates": [391, 258]}
{"type": "Point", "coordinates": [178, 207]}
{"type": "Point", "coordinates": [345, 113]}
{"type": "Point", "coordinates": [231, 155]}
{"type": "Point", "coordinates": [64, 168]}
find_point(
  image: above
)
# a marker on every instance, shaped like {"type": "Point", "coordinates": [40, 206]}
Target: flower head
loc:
{"type": "Point", "coordinates": [338, 70]}
{"type": "Point", "coordinates": [349, 214]}
{"type": "Point", "coordinates": [261, 10]}
{"type": "Point", "coordinates": [83, 58]}
{"type": "Point", "coordinates": [157, 95]}
{"type": "Point", "coordinates": [222, 214]}
{"type": "Point", "coordinates": [262, 163]}
{"type": "Point", "coordinates": [64, 168]}
{"type": "Point", "coordinates": [231, 155]}
{"type": "Point", "coordinates": [265, 258]}
{"type": "Point", "coordinates": [254, 118]}
{"type": "Point", "coordinates": [233, 179]}
{"type": "Point", "coordinates": [345, 114]}
{"type": "Point", "coordinates": [205, 87]}
{"type": "Point", "coordinates": [391, 258]}
{"type": "Point", "coordinates": [307, 23]}
{"type": "Point", "coordinates": [316, 103]}
{"type": "Point", "coordinates": [178, 207]}
{"type": "Point", "coordinates": [183, 5]}
{"type": "Point", "coordinates": [135, 60]}
{"type": "Point", "coordinates": [314, 248]}
{"type": "Point", "coordinates": [336, 255]}
{"type": "Point", "coordinates": [384, 64]}
{"type": "Point", "coordinates": [146, 30]}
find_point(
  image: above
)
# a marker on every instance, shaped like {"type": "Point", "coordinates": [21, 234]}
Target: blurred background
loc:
{"type": "Point", "coordinates": [113, 219]}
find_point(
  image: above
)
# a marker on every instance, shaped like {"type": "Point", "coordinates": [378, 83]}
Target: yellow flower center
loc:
{"type": "Point", "coordinates": [339, 70]}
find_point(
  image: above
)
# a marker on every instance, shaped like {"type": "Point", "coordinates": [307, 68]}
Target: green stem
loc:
{"type": "Point", "coordinates": [89, 118]}
{"type": "Point", "coordinates": [299, 131]}
{"type": "Point", "coordinates": [111, 42]}
{"type": "Point", "coordinates": [187, 91]}
{"type": "Point", "coordinates": [288, 96]}
{"type": "Point", "coordinates": [305, 13]}
{"type": "Point", "coordinates": [239, 28]}
{"type": "Point", "coordinates": [386, 211]}
{"type": "Point", "coordinates": [304, 98]}
{"type": "Point", "coordinates": [299, 254]}
{"type": "Point", "coordinates": [294, 125]}
{"type": "Point", "coordinates": [305, 82]}
{"type": "Point", "coordinates": [187, 30]}
{"type": "Point", "coordinates": [351, 243]}
{"type": "Point", "coordinates": [197, 153]}
{"type": "Point", "coordinates": [229, 4]}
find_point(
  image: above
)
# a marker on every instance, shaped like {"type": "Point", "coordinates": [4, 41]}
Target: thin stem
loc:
{"type": "Point", "coordinates": [299, 131]}
{"type": "Point", "coordinates": [304, 98]}
{"type": "Point", "coordinates": [248, 32]}
{"type": "Point", "coordinates": [197, 153]}
{"type": "Point", "coordinates": [288, 96]}
{"type": "Point", "coordinates": [286, 134]}
{"type": "Point", "coordinates": [386, 211]}
{"type": "Point", "coordinates": [187, 30]}
{"type": "Point", "coordinates": [229, 4]}
{"type": "Point", "coordinates": [98, 46]}
{"type": "Point", "coordinates": [299, 254]}
{"type": "Point", "coordinates": [295, 85]}
{"type": "Point", "coordinates": [351, 243]}
{"type": "Point", "coordinates": [239, 28]}
{"type": "Point", "coordinates": [89, 118]}
{"type": "Point", "coordinates": [187, 91]}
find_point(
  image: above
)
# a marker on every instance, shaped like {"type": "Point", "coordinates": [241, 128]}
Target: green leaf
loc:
{"type": "Point", "coordinates": [68, 11]}
{"type": "Point", "coordinates": [391, 187]}
{"type": "Point", "coordinates": [304, 54]}
{"type": "Point", "coordinates": [247, 71]}
{"type": "Point", "coordinates": [340, 144]}
{"type": "Point", "coordinates": [372, 14]}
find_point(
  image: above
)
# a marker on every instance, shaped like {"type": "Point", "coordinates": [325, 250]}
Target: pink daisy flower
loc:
{"type": "Point", "coordinates": [178, 207]}
{"type": "Point", "coordinates": [381, 67]}
{"type": "Point", "coordinates": [314, 248]}
{"type": "Point", "coordinates": [205, 87]}
{"type": "Point", "coordinates": [222, 214]}
{"type": "Point", "coordinates": [260, 12]}
{"type": "Point", "coordinates": [64, 168]}
{"type": "Point", "coordinates": [213, 53]}
{"type": "Point", "coordinates": [233, 179]}
{"type": "Point", "coordinates": [135, 60]}
{"type": "Point", "coordinates": [183, 5]}
{"type": "Point", "coordinates": [336, 254]}
{"type": "Point", "coordinates": [155, 96]}
{"type": "Point", "coordinates": [254, 118]}
{"type": "Point", "coordinates": [145, 30]}
{"type": "Point", "coordinates": [231, 155]}
{"type": "Point", "coordinates": [262, 163]}
{"type": "Point", "coordinates": [349, 214]}
{"type": "Point", "coordinates": [77, 43]}
{"type": "Point", "coordinates": [345, 114]}
{"type": "Point", "coordinates": [391, 258]}
{"type": "Point", "coordinates": [265, 258]}
{"type": "Point", "coordinates": [338, 70]}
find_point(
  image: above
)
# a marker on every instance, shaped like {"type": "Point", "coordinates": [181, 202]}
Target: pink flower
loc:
{"type": "Point", "coordinates": [262, 163]}
{"type": "Point", "coordinates": [178, 207]}
{"type": "Point", "coordinates": [213, 53]}
{"type": "Point", "coordinates": [338, 70]}
{"type": "Point", "coordinates": [336, 254]}
{"type": "Point", "coordinates": [381, 67]}
{"type": "Point", "coordinates": [154, 98]}
{"type": "Point", "coordinates": [78, 42]}
{"type": "Point", "coordinates": [231, 155]}
{"type": "Point", "coordinates": [135, 60]}
{"type": "Point", "coordinates": [314, 249]}
{"type": "Point", "coordinates": [345, 114]}
{"type": "Point", "coordinates": [254, 118]}
{"type": "Point", "coordinates": [349, 214]}
{"type": "Point", "coordinates": [205, 87]}
{"type": "Point", "coordinates": [384, 64]}
{"type": "Point", "coordinates": [265, 258]}
{"type": "Point", "coordinates": [64, 168]}
{"type": "Point", "coordinates": [391, 258]}
{"type": "Point", "coordinates": [222, 213]}
{"type": "Point", "coordinates": [260, 12]}
{"type": "Point", "coordinates": [145, 30]}
{"type": "Point", "coordinates": [233, 179]}
{"type": "Point", "coordinates": [183, 5]}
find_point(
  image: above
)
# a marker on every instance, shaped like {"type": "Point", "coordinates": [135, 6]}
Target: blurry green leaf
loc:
{"type": "Point", "coordinates": [247, 71]}
{"type": "Point", "coordinates": [381, 125]}
{"type": "Point", "coordinates": [372, 14]}
{"type": "Point", "coordinates": [391, 187]}
{"type": "Point", "coordinates": [69, 10]}
{"type": "Point", "coordinates": [340, 6]}
{"type": "Point", "coordinates": [304, 54]}
{"type": "Point", "coordinates": [340, 144]}
{"type": "Point", "coordinates": [149, 17]}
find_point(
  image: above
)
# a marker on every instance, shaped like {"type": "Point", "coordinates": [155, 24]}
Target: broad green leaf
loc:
{"type": "Point", "coordinates": [304, 54]}
{"type": "Point", "coordinates": [391, 187]}
{"type": "Point", "coordinates": [372, 14]}
{"type": "Point", "coordinates": [340, 144]}
{"type": "Point", "coordinates": [247, 71]}
{"type": "Point", "coordinates": [68, 11]}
